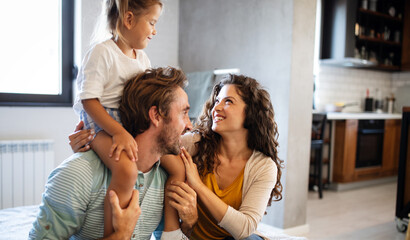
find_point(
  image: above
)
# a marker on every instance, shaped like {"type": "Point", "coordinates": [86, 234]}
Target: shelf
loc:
{"type": "Point", "coordinates": [378, 40]}
{"type": "Point", "coordinates": [379, 14]}
{"type": "Point", "coordinates": [353, 25]}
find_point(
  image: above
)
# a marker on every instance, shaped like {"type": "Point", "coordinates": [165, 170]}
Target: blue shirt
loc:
{"type": "Point", "coordinates": [73, 202]}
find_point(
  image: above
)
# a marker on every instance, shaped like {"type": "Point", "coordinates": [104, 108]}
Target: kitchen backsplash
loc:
{"type": "Point", "coordinates": [349, 85]}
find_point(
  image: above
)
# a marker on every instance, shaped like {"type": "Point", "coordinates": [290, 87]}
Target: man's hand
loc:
{"type": "Point", "coordinates": [124, 220]}
{"type": "Point", "coordinates": [183, 199]}
{"type": "Point", "coordinates": [80, 138]}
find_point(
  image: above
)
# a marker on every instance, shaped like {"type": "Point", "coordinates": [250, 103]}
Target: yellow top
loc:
{"type": "Point", "coordinates": [207, 227]}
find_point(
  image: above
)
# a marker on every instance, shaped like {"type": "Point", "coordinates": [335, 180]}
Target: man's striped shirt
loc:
{"type": "Point", "coordinates": [73, 202]}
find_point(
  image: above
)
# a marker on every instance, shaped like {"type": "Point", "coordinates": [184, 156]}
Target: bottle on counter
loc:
{"type": "Point", "coordinates": [390, 103]}
{"type": "Point", "coordinates": [368, 102]}
{"type": "Point", "coordinates": [378, 103]}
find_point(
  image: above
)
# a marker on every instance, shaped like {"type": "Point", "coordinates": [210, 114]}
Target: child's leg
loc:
{"type": "Point", "coordinates": [176, 172]}
{"type": "Point", "coordinates": [124, 174]}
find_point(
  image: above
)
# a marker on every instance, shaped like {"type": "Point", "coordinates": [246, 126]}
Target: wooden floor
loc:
{"type": "Point", "coordinates": [366, 213]}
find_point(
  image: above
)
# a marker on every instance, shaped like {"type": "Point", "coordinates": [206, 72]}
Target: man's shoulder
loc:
{"type": "Point", "coordinates": [160, 176]}
{"type": "Point", "coordinates": [89, 158]}
{"type": "Point", "coordinates": [81, 164]}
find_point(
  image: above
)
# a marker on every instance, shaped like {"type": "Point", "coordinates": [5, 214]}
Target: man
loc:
{"type": "Point", "coordinates": [154, 109]}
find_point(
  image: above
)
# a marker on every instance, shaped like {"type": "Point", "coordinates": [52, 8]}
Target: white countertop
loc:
{"type": "Point", "coordinates": [361, 115]}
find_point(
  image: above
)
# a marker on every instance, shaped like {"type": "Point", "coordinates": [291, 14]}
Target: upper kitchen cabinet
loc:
{"type": "Point", "coordinates": [364, 33]}
{"type": "Point", "coordinates": [405, 60]}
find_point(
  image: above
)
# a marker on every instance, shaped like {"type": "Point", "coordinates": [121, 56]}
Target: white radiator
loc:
{"type": "Point", "coordinates": [24, 168]}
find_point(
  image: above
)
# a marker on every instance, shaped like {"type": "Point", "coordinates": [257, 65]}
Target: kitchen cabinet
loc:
{"type": "Point", "coordinates": [364, 33]}
{"type": "Point", "coordinates": [345, 149]}
{"type": "Point", "coordinates": [405, 60]}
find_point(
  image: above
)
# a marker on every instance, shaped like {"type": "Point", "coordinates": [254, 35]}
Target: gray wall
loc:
{"type": "Point", "coordinates": [58, 122]}
{"type": "Point", "coordinates": [271, 41]}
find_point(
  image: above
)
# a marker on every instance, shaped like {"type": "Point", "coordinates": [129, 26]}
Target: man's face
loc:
{"type": "Point", "coordinates": [176, 125]}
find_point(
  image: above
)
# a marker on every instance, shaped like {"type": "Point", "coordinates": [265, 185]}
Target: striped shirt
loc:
{"type": "Point", "coordinates": [73, 202]}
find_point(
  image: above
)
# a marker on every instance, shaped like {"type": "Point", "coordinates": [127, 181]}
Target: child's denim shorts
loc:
{"type": "Point", "coordinates": [90, 124]}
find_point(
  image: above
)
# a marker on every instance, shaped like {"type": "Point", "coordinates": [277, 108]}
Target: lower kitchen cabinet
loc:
{"type": "Point", "coordinates": [382, 144]}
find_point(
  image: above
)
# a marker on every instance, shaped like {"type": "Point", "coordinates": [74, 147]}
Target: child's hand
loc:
{"type": "Point", "coordinates": [124, 141]}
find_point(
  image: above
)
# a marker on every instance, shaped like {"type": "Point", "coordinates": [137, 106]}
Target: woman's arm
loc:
{"type": "Point", "coordinates": [212, 202]}
{"type": "Point", "coordinates": [244, 221]}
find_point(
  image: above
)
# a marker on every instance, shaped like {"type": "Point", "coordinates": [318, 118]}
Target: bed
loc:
{"type": "Point", "coordinates": [15, 224]}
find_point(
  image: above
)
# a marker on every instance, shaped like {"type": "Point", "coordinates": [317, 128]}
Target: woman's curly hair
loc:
{"type": "Point", "coordinates": [259, 120]}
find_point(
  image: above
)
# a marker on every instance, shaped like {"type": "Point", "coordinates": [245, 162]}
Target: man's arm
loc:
{"type": "Point", "coordinates": [64, 202]}
{"type": "Point", "coordinates": [185, 202]}
{"type": "Point", "coordinates": [124, 220]}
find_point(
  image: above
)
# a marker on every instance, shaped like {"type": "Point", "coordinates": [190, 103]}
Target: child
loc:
{"type": "Point", "coordinates": [104, 71]}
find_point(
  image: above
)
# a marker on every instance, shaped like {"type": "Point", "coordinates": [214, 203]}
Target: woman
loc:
{"type": "Point", "coordinates": [234, 168]}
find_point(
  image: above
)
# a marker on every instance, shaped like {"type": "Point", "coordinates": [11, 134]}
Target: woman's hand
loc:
{"type": "Point", "coordinates": [211, 201]}
{"type": "Point", "coordinates": [124, 141]}
{"type": "Point", "coordinates": [80, 139]}
{"type": "Point", "coordinates": [183, 199]}
{"type": "Point", "coordinates": [191, 170]}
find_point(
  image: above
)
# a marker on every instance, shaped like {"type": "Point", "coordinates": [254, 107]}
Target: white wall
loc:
{"type": "Point", "coordinates": [337, 84]}
{"type": "Point", "coordinates": [163, 48]}
{"type": "Point", "coordinates": [58, 122]}
{"type": "Point", "coordinates": [39, 123]}
{"type": "Point", "coordinates": [271, 41]}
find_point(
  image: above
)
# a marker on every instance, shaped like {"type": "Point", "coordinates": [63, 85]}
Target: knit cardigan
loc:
{"type": "Point", "coordinates": [259, 180]}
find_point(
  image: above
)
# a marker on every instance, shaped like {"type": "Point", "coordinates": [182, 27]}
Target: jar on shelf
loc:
{"type": "Point", "coordinates": [386, 34]}
{"type": "Point", "coordinates": [364, 4]}
{"type": "Point", "coordinates": [397, 36]}
{"type": "Point", "coordinates": [392, 11]}
{"type": "Point", "coordinates": [373, 5]}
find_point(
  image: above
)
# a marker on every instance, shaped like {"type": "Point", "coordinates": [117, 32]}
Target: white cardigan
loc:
{"type": "Point", "coordinates": [259, 180]}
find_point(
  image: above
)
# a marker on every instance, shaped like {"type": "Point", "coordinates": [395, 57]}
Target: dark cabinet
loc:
{"type": "Point", "coordinates": [378, 33]}
{"type": "Point", "coordinates": [364, 33]}
{"type": "Point", "coordinates": [405, 60]}
{"type": "Point", "coordinates": [347, 142]}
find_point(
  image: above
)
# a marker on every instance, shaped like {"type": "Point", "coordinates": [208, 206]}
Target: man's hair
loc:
{"type": "Point", "coordinates": [154, 87]}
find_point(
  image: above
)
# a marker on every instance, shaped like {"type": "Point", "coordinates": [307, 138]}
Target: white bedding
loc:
{"type": "Point", "coordinates": [15, 223]}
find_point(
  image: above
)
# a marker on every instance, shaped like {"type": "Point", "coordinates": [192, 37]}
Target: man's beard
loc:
{"type": "Point", "coordinates": [168, 141]}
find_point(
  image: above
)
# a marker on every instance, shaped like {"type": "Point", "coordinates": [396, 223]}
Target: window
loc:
{"type": "Point", "coordinates": [36, 61]}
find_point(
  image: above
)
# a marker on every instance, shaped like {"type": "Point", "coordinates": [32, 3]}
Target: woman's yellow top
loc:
{"type": "Point", "coordinates": [207, 227]}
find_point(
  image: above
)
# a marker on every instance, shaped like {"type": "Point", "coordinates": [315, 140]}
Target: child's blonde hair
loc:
{"type": "Point", "coordinates": [113, 13]}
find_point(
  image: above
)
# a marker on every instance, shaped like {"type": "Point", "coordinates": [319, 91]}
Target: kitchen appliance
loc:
{"type": "Point", "coordinates": [378, 103]}
{"type": "Point", "coordinates": [368, 102]}
{"type": "Point", "coordinates": [369, 143]}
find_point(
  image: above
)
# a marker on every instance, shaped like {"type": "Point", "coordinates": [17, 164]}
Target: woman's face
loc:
{"type": "Point", "coordinates": [228, 113]}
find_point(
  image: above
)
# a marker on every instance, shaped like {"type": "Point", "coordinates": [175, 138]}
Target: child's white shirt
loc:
{"type": "Point", "coordinates": [103, 74]}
